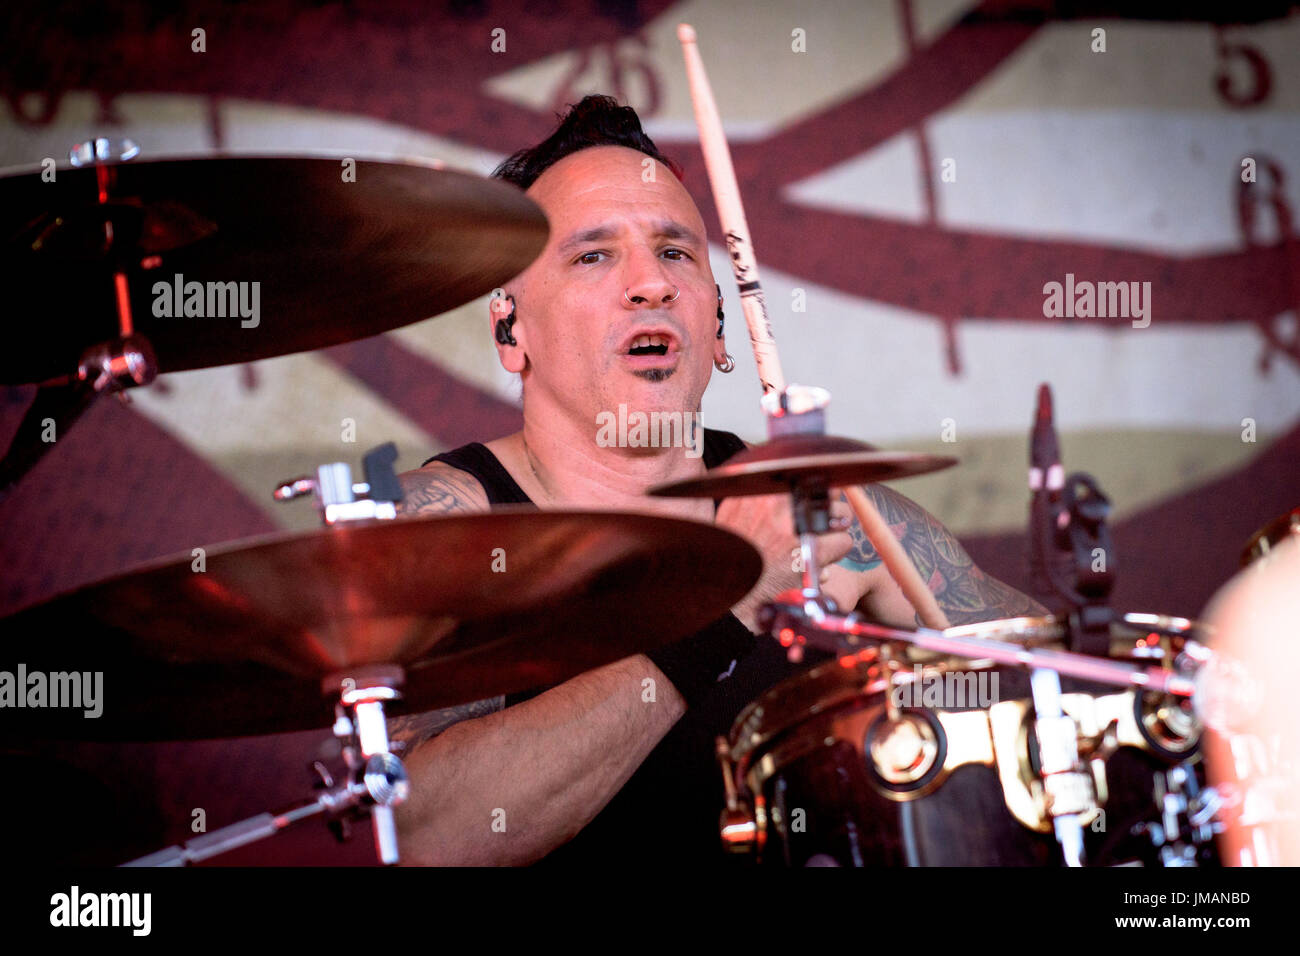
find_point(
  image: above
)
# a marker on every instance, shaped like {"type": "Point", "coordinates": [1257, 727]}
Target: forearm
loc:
{"type": "Point", "coordinates": [509, 787]}
{"type": "Point", "coordinates": [963, 591]}
{"type": "Point", "coordinates": [983, 598]}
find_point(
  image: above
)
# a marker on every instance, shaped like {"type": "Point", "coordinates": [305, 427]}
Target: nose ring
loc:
{"type": "Point", "coordinates": [676, 293]}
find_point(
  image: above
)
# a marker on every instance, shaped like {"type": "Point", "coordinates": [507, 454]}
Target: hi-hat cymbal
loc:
{"type": "Point", "coordinates": [775, 466]}
{"type": "Point", "coordinates": [336, 257]}
{"type": "Point", "coordinates": [471, 605]}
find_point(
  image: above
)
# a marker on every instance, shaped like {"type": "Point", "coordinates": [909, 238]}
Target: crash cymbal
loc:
{"type": "Point", "coordinates": [777, 465]}
{"type": "Point", "coordinates": [472, 606]}
{"type": "Point", "coordinates": [333, 260]}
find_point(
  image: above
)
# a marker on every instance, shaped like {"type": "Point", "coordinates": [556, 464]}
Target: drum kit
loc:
{"type": "Point", "coordinates": [849, 763]}
{"type": "Point", "coordinates": [877, 757]}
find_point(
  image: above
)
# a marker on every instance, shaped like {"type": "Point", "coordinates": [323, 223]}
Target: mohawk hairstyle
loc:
{"type": "Point", "coordinates": [596, 121]}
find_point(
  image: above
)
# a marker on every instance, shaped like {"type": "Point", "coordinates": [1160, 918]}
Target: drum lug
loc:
{"type": "Point", "coordinates": [738, 826]}
{"type": "Point", "coordinates": [1168, 725]}
{"type": "Point", "coordinates": [906, 752]}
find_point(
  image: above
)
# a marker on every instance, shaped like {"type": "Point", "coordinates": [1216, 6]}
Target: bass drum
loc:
{"type": "Point", "coordinates": [818, 774]}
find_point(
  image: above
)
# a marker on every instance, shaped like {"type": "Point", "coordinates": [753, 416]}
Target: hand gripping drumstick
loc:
{"type": "Point", "coordinates": [726, 196]}
{"type": "Point", "coordinates": [735, 230]}
{"type": "Point", "coordinates": [899, 565]}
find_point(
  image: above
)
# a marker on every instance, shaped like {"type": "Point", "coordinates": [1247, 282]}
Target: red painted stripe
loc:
{"type": "Point", "coordinates": [451, 410]}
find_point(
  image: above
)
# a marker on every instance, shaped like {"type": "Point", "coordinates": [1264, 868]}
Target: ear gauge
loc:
{"type": "Point", "coordinates": [721, 317]}
{"type": "Point", "coordinates": [502, 329]}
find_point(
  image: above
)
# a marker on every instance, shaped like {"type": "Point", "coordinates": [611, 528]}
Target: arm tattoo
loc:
{"type": "Point", "coordinates": [964, 592]}
{"type": "Point", "coordinates": [429, 491]}
{"type": "Point", "coordinates": [434, 490]}
{"type": "Point", "coordinates": [411, 730]}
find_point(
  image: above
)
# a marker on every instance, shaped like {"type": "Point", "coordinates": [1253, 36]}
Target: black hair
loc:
{"type": "Point", "coordinates": [595, 121]}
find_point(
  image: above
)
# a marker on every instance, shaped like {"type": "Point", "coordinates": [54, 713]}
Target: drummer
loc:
{"type": "Point", "coordinates": [622, 308]}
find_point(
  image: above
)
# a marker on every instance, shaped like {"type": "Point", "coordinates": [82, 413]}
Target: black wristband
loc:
{"type": "Point", "coordinates": [697, 663]}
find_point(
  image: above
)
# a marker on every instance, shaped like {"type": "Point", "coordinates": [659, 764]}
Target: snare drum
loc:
{"type": "Point", "coordinates": [846, 766]}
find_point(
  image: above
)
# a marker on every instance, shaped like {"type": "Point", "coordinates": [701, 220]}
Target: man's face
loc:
{"type": "Point", "coordinates": [626, 259]}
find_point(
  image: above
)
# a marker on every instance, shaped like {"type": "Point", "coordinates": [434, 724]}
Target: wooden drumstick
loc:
{"type": "Point", "coordinates": [896, 560]}
{"type": "Point", "coordinates": [735, 230]}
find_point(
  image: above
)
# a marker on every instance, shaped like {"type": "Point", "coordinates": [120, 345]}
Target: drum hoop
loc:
{"type": "Point", "coordinates": [795, 700]}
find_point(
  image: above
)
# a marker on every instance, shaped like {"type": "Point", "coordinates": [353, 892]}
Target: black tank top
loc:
{"type": "Point", "coordinates": [502, 489]}
{"type": "Point", "coordinates": [667, 813]}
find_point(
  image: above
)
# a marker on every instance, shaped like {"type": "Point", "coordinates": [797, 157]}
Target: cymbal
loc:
{"type": "Point", "coordinates": [472, 606]}
{"type": "Point", "coordinates": [334, 261]}
{"type": "Point", "coordinates": [773, 467]}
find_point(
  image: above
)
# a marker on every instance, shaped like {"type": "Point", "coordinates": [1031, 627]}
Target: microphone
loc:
{"type": "Point", "coordinates": [1046, 480]}
{"type": "Point", "coordinates": [1068, 535]}
{"type": "Point", "coordinates": [1045, 469]}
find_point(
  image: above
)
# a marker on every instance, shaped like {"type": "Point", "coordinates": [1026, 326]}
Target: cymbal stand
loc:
{"type": "Point", "coordinates": [376, 779]}
{"type": "Point", "coordinates": [340, 499]}
{"type": "Point", "coordinates": [375, 782]}
{"type": "Point", "coordinates": [801, 410]}
{"type": "Point", "coordinates": [126, 361]}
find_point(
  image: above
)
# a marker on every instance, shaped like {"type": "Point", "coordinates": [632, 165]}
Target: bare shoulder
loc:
{"type": "Point", "coordinates": [438, 488]}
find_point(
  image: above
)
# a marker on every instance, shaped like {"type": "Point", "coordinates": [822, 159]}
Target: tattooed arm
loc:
{"type": "Point", "coordinates": [435, 489]}
{"type": "Point", "coordinates": [438, 488]}
{"type": "Point", "coordinates": [964, 592]}
{"type": "Point", "coordinates": [498, 785]}
{"type": "Point", "coordinates": [411, 730]}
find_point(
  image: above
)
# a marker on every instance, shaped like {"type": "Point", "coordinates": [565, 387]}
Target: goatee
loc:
{"type": "Point", "coordinates": [655, 374]}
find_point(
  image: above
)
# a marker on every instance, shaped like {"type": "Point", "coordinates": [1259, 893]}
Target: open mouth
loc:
{"type": "Point", "coordinates": [649, 345]}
